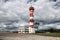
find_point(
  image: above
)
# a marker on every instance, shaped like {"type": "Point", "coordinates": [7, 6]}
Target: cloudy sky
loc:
{"type": "Point", "coordinates": [15, 13]}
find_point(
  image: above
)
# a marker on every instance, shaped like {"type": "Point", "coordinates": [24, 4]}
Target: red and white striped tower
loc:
{"type": "Point", "coordinates": [31, 27]}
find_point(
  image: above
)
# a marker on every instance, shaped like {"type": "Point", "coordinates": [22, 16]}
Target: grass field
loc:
{"type": "Point", "coordinates": [49, 34]}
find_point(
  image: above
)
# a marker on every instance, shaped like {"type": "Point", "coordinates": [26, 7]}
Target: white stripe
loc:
{"type": "Point", "coordinates": [31, 17]}
{"type": "Point", "coordinates": [31, 30]}
{"type": "Point", "coordinates": [31, 23]}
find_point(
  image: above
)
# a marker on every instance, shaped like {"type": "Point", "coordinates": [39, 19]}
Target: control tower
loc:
{"type": "Point", "coordinates": [31, 19]}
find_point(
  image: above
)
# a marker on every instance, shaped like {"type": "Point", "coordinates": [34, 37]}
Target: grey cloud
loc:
{"type": "Point", "coordinates": [17, 12]}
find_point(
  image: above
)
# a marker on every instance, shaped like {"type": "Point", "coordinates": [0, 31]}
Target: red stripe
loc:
{"type": "Point", "coordinates": [32, 26]}
{"type": "Point", "coordinates": [31, 14]}
{"type": "Point", "coordinates": [31, 20]}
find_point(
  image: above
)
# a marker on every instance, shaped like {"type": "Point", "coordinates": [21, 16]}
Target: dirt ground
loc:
{"type": "Point", "coordinates": [16, 36]}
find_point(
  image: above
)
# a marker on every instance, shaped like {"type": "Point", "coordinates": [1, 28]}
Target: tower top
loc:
{"type": "Point", "coordinates": [31, 8]}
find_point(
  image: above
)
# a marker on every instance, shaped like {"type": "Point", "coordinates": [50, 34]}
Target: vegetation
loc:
{"type": "Point", "coordinates": [49, 34]}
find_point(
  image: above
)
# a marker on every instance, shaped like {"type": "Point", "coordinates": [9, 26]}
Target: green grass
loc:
{"type": "Point", "coordinates": [49, 34]}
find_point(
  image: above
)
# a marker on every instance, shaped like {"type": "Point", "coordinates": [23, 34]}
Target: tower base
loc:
{"type": "Point", "coordinates": [31, 30]}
